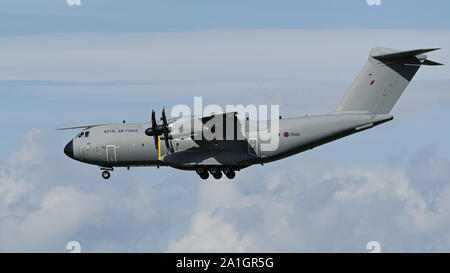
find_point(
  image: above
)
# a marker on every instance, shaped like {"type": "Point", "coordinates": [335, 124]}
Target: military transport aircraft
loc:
{"type": "Point", "coordinates": [366, 104]}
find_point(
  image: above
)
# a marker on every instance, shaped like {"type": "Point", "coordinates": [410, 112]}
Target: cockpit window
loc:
{"type": "Point", "coordinates": [81, 134]}
{"type": "Point", "coordinates": [86, 134]}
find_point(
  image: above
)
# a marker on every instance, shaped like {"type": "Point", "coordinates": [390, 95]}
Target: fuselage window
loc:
{"type": "Point", "coordinates": [86, 134]}
{"type": "Point", "coordinates": [81, 134]}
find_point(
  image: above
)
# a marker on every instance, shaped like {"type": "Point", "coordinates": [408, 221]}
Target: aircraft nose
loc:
{"type": "Point", "coordinates": [68, 150]}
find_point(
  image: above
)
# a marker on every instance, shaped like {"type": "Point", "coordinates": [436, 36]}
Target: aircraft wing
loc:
{"type": "Point", "coordinates": [199, 126]}
{"type": "Point", "coordinates": [83, 126]}
{"type": "Point", "coordinates": [205, 119]}
{"type": "Point", "coordinates": [204, 157]}
{"type": "Point", "coordinates": [226, 122]}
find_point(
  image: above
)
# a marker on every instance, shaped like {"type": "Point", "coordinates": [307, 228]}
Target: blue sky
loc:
{"type": "Point", "coordinates": [106, 61]}
{"type": "Point", "coordinates": [50, 16]}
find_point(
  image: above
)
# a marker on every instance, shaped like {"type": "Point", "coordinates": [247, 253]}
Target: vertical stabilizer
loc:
{"type": "Point", "coordinates": [383, 79]}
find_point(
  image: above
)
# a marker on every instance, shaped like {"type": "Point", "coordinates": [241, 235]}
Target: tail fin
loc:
{"type": "Point", "coordinates": [382, 80]}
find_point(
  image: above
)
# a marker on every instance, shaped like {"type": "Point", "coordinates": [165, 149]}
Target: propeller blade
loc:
{"type": "Point", "coordinates": [166, 140]}
{"type": "Point", "coordinates": [154, 121]}
{"type": "Point", "coordinates": [166, 130]}
{"type": "Point", "coordinates": [157, 130]}
{"type": "Point", "coordinates": [154, 128]}
{"type": "Point", "coordinates": [164, 117]}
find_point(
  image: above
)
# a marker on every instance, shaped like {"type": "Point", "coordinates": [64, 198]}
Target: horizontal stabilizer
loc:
{"type": "Point", "coordinates": [403, 54]}
{"type": "Point", "coordinates": [429, 62]}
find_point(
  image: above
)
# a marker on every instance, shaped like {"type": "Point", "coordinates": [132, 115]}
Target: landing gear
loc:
{"type": "Point", "coordinates": [106, 175]}
{"type": "Point", "coordinates": [204, 174]}
{"type": "Point", "coordinates": [229, 172]}
{"type": "Point", "coordinates": [216, 173]}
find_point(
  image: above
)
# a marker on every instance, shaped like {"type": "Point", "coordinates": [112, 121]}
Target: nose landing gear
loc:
{"type": "Point", "coordinates": [105, 173]}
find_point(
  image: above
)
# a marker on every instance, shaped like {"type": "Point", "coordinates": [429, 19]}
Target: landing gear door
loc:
{"type": "Point", "coordinates": [111, 153]}
{"type": "Point", "coordinates": [253, 146]}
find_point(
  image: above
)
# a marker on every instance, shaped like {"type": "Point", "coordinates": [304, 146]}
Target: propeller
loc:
{"type": "Point", "coordinates": [154, 129]}
{"type": "Point", "coordinates": [166, 131]}
{"type": "Point", "coordinates": [157, 130]}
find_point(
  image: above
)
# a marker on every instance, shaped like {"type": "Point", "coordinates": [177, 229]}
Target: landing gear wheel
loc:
{"type": "Point", "coordinates": [204, 175]}
{"type": "Point", "coordinates": [216, 173]}
{"type": "Point", "coordinates": [106, 175]}
{"type": "Point", "coordinates": [231, 174]}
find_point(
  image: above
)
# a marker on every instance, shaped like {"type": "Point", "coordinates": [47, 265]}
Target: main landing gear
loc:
{"type": "Point", "coordinates": [203, 173]}
{"type": "Point", "coordinates": [229, 172]}
{"type": "Point", "coordinates": [216, 172]}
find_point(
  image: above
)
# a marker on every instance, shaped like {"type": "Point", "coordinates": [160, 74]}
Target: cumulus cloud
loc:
{"type": "Point", "coordinates": [34, 213]}
{"type": "Point", "coordinates": [46, 201]}
{"type": "Point", "coordinates": [301, 208]}
{"type": "Point", "coordinates": [300, 204]}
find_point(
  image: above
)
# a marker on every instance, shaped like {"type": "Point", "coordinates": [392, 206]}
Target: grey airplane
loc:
{"type": "Point", "coordinates": [367, 103]}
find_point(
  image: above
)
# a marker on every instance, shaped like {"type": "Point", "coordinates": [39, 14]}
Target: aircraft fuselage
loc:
{"type": "Point", "coordinates": [126, 144]}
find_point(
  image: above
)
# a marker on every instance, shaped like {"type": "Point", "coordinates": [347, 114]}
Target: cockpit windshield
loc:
{"type": "Point", "coordinates": [85, 134]}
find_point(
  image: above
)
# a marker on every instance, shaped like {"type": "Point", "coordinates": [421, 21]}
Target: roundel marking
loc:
{"type": "Point", "coordinates": [286, 134]}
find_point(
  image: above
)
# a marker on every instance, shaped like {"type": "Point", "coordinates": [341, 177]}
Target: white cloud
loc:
{"type": "Point", "coordinates": [33, 213]}
{"type": "Point", "coordinates": [302, 209]}
{"type": "Point", "coordinates": [47, 200]}
{"type": "Point", "coordinates": [62, 211]}
{"type": "Point", "coordinates": [300, 204]}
